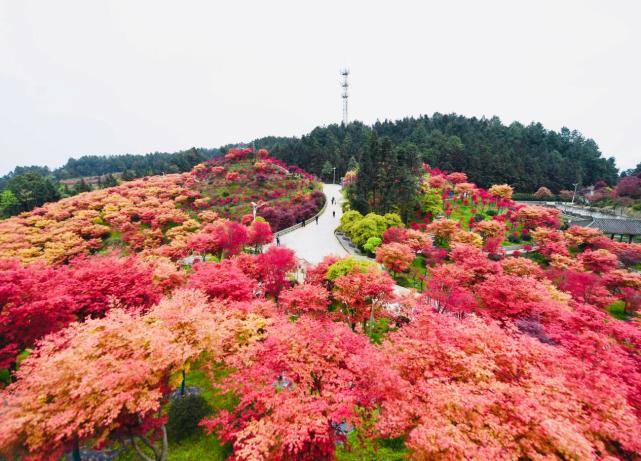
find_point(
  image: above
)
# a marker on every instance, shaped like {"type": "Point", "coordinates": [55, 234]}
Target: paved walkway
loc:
{"type": "Point", "coordinates": [315, 241]}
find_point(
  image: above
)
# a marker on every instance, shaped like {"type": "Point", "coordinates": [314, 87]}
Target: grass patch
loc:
{"type": "Point", "coordinates": [113, 239]}
{"type": "Point", "coordinates": [380, 450]}
{"type": "Point", "coordinates": [617, 310]}
{"type": "Point", "coordinates": [199, 446]}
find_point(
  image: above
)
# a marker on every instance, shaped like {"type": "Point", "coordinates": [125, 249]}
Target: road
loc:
{"type": "Point", "coordinates": [315, 241]}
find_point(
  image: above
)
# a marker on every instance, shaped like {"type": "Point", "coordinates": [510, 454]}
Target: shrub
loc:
{"type": "Point", "coordinates": [372, 243]}
{"type": "Point", "coordinates": [346, 266]}
{"type": "Point", "coordinates": [543, 193]}
{"type": "Point", "coordinates": [348, 219]}
{"type": "Point", "coordinates": [185, 412]}
{"type": "Point", "coordinates": [513, 238]}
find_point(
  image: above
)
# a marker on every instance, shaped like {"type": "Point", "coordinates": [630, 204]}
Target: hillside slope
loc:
{"type": "Point", "coordinates": [161, 214]}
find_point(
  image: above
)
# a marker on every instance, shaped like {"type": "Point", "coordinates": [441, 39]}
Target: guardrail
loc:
{"type": "Point", "coordinates": [347, 244]}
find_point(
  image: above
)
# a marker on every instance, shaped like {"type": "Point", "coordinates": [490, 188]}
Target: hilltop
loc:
{"type": "Point", "coordinates": [161, 215]}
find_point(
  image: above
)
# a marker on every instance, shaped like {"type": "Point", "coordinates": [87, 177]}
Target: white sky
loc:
{"type": "Point", "coordinates": [132, 76]}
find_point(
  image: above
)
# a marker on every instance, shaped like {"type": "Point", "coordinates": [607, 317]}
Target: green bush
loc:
{"type": "Point", "coordinates": [372, 244]}
{"type": "Point", "coordinates": [372, 225]}
{"type": "Point", "coordinates": [513, 238]}
{"type": "Point", "coordinates": [431, 202]}
{"type": "Point", "coordinates": [184, 415]}
{"type": "Point", "coordinates": [393, 220]}
{"type": "Point", "coordinates": [348, 219]}
{"type": "Point", "coordinates": [345, 266]}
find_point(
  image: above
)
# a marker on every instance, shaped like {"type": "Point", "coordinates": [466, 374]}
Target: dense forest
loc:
{"type": "Point", "coordinates": [27, 187]}
{"type": "Point", "coordinates": [489, 152]}
{"type": "Point", "coordinates": [527, 157]}
{"type": "Point", "coordinates": [138, 165]}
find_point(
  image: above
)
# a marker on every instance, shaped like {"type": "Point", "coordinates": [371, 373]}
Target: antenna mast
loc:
{"type": "Point", "coordinates": [345, 94]}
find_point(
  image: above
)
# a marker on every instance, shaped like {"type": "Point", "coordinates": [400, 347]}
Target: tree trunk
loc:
{"type": "Point", "coordinates": [159, 454]}
{"type": "Point", "coordinates": [165, 445]}
{"type": "Point", "coordinates": [76, 450]}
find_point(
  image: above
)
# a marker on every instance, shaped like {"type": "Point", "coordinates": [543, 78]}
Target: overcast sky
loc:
{"type": "Point", "coordinates": [107, 77]}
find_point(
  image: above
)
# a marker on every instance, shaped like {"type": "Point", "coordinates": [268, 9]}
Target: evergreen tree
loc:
{"type": "Point", "coordinates": [8, 204]}
{"type": "Point", "coordinates": [81, 186]}
{"type": "Point", "coordinates": [110, 181]}
{"type": "Point", "coordinates": [408, 172]}
{"type": "Point", "coordinates": [128, 175]}
{"type": "Point", "coordinates": [352, 164]}
{"type": "Point", "coordinates": [387, 173]}
{"type": "Point", "coordinates": [32, 190]}
{"type": "Point", "coordinates": [327, 171]}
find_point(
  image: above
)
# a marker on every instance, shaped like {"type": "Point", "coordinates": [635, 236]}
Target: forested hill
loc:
{"type": "Point", "coordinates": [490, 152]}
{"type": "Point", "coordinates": [140, 165]}
{"type": "Point", "coordinates": [136, 165]}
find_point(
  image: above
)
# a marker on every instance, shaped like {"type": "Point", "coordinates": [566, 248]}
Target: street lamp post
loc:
{"type": "Point", "coordinates": [574, 193]}
{"type": "Point", "coordinates": [334, 178]}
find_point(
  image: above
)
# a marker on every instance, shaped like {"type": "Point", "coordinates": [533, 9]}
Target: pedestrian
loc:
{"type": "Point", "coordinates": [317, 220]}
{"type": "Point", "coordinates": [334, 214]}
{"type": "Point", "coordinates": [277, 241]}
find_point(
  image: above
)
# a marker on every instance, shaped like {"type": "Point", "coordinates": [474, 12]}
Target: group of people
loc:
{"type": "Point", "coordinates": [302, 223]}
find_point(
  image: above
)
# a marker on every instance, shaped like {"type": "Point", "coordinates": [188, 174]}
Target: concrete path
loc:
{"type": "Point", "coordinates": [315, 241]}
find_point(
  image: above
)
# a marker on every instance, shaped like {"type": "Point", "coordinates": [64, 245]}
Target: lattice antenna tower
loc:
{"type": "Point", "coordinates": [345, 94]}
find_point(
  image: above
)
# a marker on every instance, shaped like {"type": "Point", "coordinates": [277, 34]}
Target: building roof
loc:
{"type": "Point", "coordinates": [617, 226]}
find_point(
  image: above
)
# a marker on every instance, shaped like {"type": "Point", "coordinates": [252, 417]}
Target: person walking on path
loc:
{"type": "Point", "coordinates": [317, 220]}
{"type": "Point", "coordinates": [334, 214]}
{"type": "Point", "coordinates": [277, 241]}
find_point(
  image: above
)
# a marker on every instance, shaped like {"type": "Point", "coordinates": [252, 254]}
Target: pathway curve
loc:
{"type": "Point", "coordinates": [315, 241]}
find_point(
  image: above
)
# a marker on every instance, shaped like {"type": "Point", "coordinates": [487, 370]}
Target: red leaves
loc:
{"type": "Point", "coordinates": [96, 282]}
{"type": "Point", "coordinates": [397, 257]}
{"type": "Point", "coordinates": [223, 238]}
{"type": "Point", "coordinates": [473, 387]}
{"type": "Point", "coordinates": [103, 376]}
{"type": "Point", "coordinates": [395, 234]}
{"type": "Point", "coordinates": [306, 298]}
{"type": "Point", "coordinates": [363, 294]}
{"type": "Point", "coordinates": [303, 380]}
{"type": "Point", "coordinates": [224, 280]}
{"type": "Point", "coordinates": [274, 265]}
{"type": "Point", "coordinates": [599, 260]}
{"type": "Point", "coordinates": [259, 233]}
{"type": "Point", "coordinates": [36, 300]}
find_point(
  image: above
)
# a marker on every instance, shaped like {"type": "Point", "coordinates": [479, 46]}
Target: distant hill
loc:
{"type": "Point", "coordinates": [136, 165]}
{"type": "Point", "coordinates": [489, 152]}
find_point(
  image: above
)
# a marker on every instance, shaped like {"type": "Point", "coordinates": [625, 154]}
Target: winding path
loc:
{"type": "Point", "coordinates": [315, 241]}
